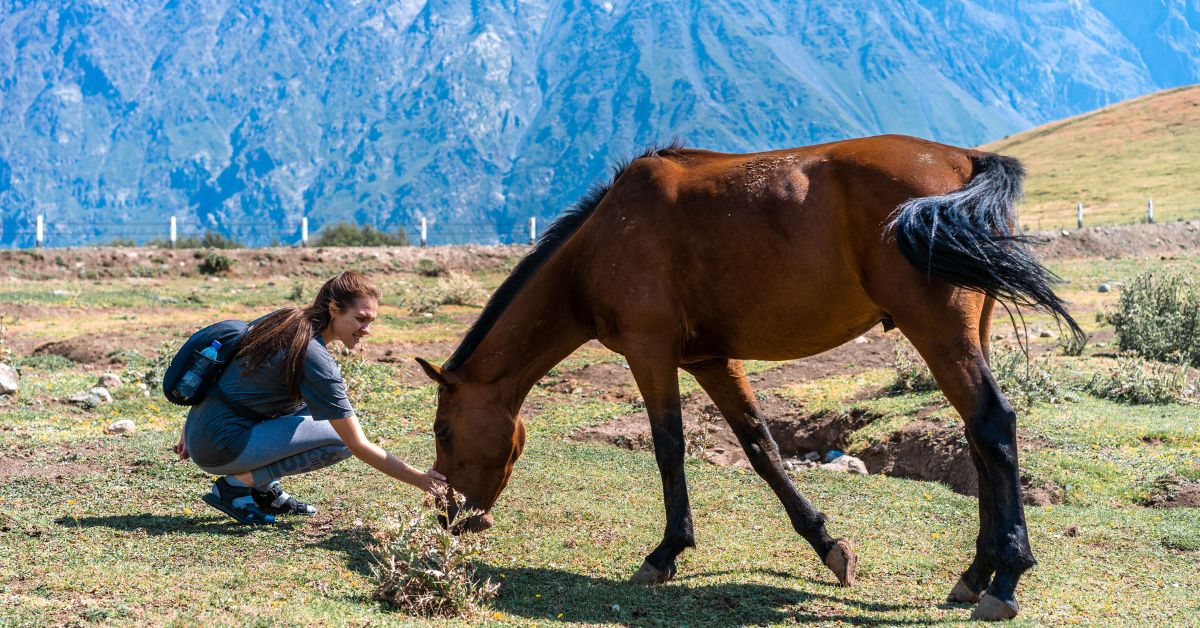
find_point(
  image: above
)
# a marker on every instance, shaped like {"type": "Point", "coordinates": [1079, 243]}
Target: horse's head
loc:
{"type": "Point", "coordinates": [478, 441]}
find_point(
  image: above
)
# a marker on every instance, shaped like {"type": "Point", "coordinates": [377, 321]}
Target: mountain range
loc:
{"type": "Point", "coordinates": [244, 116]}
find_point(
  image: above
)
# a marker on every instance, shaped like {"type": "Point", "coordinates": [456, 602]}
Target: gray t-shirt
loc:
{"type": "Point", "coordinates": [216, 435]}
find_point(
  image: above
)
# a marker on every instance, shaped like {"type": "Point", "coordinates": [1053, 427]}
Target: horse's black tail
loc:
{"type": "Point", "coordinates": [967, 238]}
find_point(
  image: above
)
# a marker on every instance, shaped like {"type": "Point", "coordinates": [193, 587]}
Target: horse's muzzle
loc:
{"type": "Point", "coordinates": [476, 521]}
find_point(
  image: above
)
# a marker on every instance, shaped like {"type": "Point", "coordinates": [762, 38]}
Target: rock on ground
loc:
{"type": "Point", "coordinates": [123, 427]}
{"type": "Point", "coordinates": [8, 380]}
{"type": "Point", "coordinates": [846, 464]}
{"type": "Point", "coordinates": [102, 393]}
{"type": "Point", "coordinates": [109, 380]}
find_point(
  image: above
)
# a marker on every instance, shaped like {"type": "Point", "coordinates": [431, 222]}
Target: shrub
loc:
{"type": "Point", "coordinates": [1136, 381]}
{"type": "Point", "coordinates": [1072, 345]}
{"type": "Point", "coordinates": [1158, 317]}
{"type": "Point", "coordinates": [214, 263]}
{"type": "Point", "coordinates": [426, 570]}
{"type": "Point", "coordinates": [211, 240]}
{"type": "Point", "coordinates": [430, 268]}
{"type": "Point", "coordinates": [457, 289]}
{"type": "Point", "coordinates": [1024, 381]}
{"type": "Point", "coordinates": [122, 243]}
{"type": "Point", "coordinates": [912, 374]}
{"type": "Point", "coordinates": [346, 234]}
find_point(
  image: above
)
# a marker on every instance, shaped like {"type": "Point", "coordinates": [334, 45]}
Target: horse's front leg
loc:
{"type": "Point", "coordinates": [726, 383]}
{"type": "Point", "coordinates": [658, 380]}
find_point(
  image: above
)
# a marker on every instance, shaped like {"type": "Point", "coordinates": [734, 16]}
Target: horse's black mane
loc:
{"type": "Point", "coordinates": [558, 232]}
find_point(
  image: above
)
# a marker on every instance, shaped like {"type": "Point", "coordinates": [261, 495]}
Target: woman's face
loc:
{"type": "Point", "coordinates": [354, 322]}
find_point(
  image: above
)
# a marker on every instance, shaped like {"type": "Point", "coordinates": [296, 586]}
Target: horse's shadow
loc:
{"type": "Point", "coordinates": [546, 594]}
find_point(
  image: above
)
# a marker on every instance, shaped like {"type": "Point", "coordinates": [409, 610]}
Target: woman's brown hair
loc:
{"type": "Point", "coordinates": [291, 328]}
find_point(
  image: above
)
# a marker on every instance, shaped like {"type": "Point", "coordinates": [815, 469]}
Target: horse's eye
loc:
{"type": "Point", "coordinates": [441, 430]}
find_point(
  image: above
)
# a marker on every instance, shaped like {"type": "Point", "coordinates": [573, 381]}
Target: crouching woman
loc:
{"type": "Point", "coordinates": [280, 408]}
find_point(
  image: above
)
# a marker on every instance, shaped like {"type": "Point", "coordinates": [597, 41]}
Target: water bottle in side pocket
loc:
{"type": "Point", "coordinates": [191, 380]}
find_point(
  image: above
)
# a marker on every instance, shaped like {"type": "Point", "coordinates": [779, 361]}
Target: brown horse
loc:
{"type": "Point", "coordinates": [696, 260]}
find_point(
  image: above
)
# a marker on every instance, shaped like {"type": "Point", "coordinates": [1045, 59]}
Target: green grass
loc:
{"type": "Point", "coordinates": [107, 529]}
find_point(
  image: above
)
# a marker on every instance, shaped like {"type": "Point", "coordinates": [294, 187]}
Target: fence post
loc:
{"type": "Point", "coordinates": [173, 232]}
{"type": "Point", "coordinates": [304, 231]}
{"type": "Point", "coordinates": [1079, 215]}
{"type": "Point", "coordinates": [1150, 210]}
{"type": "Point", "coordinates": [533, 230]}
{"type": "Point", "coordinates": [424, 232]}
{"type": "Point", "coordinates": [41, 231]}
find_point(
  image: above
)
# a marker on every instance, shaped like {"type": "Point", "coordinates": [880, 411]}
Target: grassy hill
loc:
{"type": "Point", "coordinates": [1112, 160]}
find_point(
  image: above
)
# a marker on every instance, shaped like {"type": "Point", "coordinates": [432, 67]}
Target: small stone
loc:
{"type": "Point", "coordinates": [102, 393]}
{"type": "Point", "coordinates": [428, 314]}
{"type": "Point", "coordinates": [718, 450]}
{"type": "Point", "coordinates": [1104, 287]}
{"type": "Point", "coordinates": [84, 399]}
{"type": "Point", "coordinates": [846, 464]}
{"type": "Point", "coordinates": [1065, 232]}
{"type": "Point", "coordinates": [861, 340]}
{"type": "Point", "coordinates": [142, 386]}
{"type": "Point", "coordinates": [123, 427]}
{"type": "Point", "coordinates": [8, 380]}
{"type": "Point", "coordinates": [1046, 333]}
{"type": "Point", "coordinates": [60, 293]}
{"type": "Point", "coordinates": [109, 380]}
{"type": "Point", "coordinates": [812, 456]}
{"type": "Point", "coordinates": [576, 391]}
{"type": "Point", "coordinates": [616, 608]}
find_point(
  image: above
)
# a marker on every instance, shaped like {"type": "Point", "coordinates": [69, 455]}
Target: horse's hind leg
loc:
{"type": "Point", "coordinates": [961, 369]}
{"type": "Point", "coordinates": [725, 382]}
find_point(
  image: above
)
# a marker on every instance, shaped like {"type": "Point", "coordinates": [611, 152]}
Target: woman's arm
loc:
{"type": "Point", "coordinates": [354, 439]}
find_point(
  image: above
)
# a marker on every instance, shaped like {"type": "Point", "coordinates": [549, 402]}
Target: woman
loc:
{"type": "Point", "coordinates": [283, 370]}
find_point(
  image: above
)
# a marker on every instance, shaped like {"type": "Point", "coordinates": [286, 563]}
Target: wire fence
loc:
{"type": "Point", "coordinates": [73, 233]}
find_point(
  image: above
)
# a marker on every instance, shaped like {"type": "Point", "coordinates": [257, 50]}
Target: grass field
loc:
{"type": "Point", "coordinates": [1112, 160]}
{"type": "Point", "coordinates": [109, 529]}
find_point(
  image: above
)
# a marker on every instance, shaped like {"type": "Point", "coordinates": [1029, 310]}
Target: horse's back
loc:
{"type": "Point", "coordinates": [759, 255]}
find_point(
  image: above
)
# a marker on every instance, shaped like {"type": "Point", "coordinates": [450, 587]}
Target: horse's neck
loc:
{"type": "Point", "coordinates": [537, 331]}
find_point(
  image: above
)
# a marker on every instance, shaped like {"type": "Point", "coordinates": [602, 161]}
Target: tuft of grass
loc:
{"type": "Point", "coordinates": [425, 570]}
{"type": "Point", "coordinates": [458, 289]}
{"type": "Point", "coordinates": [1136, 381]}
{"type": "Point", "coordinates": [430, 268]}
{"type": "Point", "coordinates": [213, 263]}
{"type": "Point", "coordinates": [1024, 381]}
{"type": "Point", "coordinates": [912, 374]}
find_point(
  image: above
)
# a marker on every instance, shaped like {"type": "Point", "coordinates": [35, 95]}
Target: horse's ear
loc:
{"type": "Point", "coordinates": [435, 372]}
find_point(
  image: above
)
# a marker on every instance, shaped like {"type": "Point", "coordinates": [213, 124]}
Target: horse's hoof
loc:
{"type": "Point", "coordinates": [993, 609]}
{"type": "Point", "coordinates": [963, 593]}
{"type": "Point", "coordinates": [649, 574]}
{"type": "Point", "coordinates": [843, 562]}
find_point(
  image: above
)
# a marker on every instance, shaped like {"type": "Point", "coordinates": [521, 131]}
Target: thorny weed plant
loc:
{"type": "Point", "coordinates": [423, 569]}
{"type": "Point", "coordinates": [912, 374]}
{"type": "Point", "coordinates": [1158, 317]}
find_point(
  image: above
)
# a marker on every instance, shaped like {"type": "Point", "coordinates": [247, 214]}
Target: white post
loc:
{"type": "Point", "coordinates": [41, 231]}
{"type": "Point", "coordinates": [424, 232]}
{"type": "Point", "coordinates": [304, 231]}
{"type": "Point", "coordinates": [1150, 210]}
{"type": "Point", "coordinates": [533, 230]}
{"type": "Point", "coordinates": [1079, 215]}
{"type": "Point", "coordinates": [173, 232]}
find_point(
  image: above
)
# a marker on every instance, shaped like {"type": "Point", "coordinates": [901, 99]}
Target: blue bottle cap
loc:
{"type": "Point", "coordinates": [216, 344]}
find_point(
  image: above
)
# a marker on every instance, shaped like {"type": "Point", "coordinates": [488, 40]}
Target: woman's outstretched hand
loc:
{"type": "Point", "coordinates": [180, 449]}
{"type": "Point", "coordinates": [433, 482]}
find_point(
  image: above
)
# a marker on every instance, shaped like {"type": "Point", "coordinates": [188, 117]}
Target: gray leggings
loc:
{"type": "Point", "coordinates": [287, 445]}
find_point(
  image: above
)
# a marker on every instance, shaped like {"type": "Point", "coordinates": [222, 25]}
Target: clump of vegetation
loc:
{"type": "Point", "coordinates": [121, 243]}
{"type": "Point", "coordinates": [211, 240]}
{"type": "Point", "coordinates": [1158, 317]}
{"type": "Point", "coordinates": [423, 569]}
{"type": "Point", "coordinates": [213, 263]}
{"type": "Point", "coordinates": [458, 289]}
{"type": "Point", "coordinates": [346, 234]}
{"type": "Point", "coordinates": [1072, 345]}
{"type": "Point", "coordinates": [912, 374]}
{"type": "Point", "coordinates": [1136, 381]}
{"type": "Point", "coordinates": [430, 268]}
{"type": "Point", "coordinates": [1024, 381]}
{"type": "Point", "coordinates": [48, 362]}
{"type": "Point", "coordinates": [297, 293]}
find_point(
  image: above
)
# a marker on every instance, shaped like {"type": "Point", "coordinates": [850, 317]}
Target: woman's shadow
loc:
{"type": "Point", "coordinates": [156, 525]}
